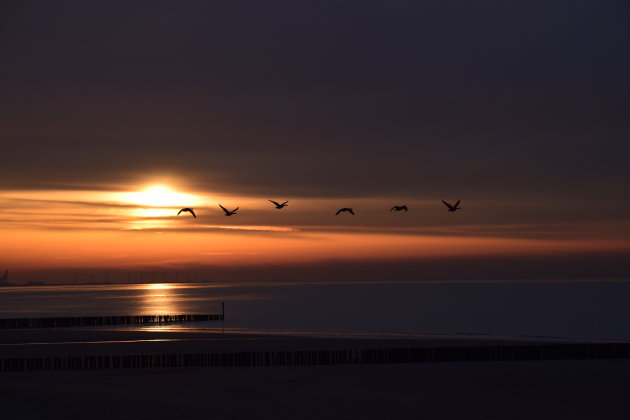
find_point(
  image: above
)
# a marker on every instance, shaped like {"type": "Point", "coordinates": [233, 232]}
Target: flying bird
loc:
{"type": "Point", "coordinates": [398, 208]}
{"type": "Point", "coordinates": [278, 205]}
{"type": "Point", "coordinates": [187, 210]}
{"type": "Point", "coordinates": [343, 210]}
{"type": "Point", "coordinates": [228, 213]}
{"type": "Point", "coordinates": [452, 208]}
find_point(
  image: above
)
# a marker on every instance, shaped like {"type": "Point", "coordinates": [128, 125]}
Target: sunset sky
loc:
{"type": "Point", "coordinates": [115, 115]}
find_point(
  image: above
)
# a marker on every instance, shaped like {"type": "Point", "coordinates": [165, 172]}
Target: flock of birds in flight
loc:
{"type": "Point", "coordinates": [280, 206]}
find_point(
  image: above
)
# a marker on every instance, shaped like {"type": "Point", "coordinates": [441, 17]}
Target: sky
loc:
{"type": "Point", "coordinates": [114, 115]}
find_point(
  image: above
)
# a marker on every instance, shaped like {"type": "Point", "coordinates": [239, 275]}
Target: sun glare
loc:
{"type": "Point", "coordinates": [157, 286]}
{"type": "Point", "coordinates": [157, 201]}
{"type": "Point", "coordinates": [160, 196]}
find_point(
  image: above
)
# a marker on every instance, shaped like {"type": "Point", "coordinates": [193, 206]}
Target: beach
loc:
{"type": "Point", "coordinates": [282, 356]}
{"type": "Point", "coordinates": [485, 390]}
{"type": "Point", "coordinates": [315, 352]}
{"type": "Point", "coordinates": [577, 389]}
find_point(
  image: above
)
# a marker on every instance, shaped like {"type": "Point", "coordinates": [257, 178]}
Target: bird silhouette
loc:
{"type": "Point", "coordinates": [278, 205]}
{"type": "Point", "coordinates": [452, 208]}
{"type": "Point", "coordinates": [398, 208]}
{"type": "Point", "coordinates": [349, 210]}
{"type": "Point", "coordinates": [189, 210]}
{"type": "Point", "coordinates": [227, 212]}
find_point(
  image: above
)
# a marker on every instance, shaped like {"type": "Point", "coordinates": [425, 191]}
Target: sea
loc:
{"type": "Point", "coordinates": [589, 310]}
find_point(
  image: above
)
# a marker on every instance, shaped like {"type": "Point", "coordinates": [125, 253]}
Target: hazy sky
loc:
{"type": "Point", "coordinates": [518, 108]}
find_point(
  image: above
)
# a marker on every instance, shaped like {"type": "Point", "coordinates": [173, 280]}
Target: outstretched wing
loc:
{"type": "Point", "coordinates": [447, 205]}
{"type": "Point", "coordinates": [457, 204]}
{"type": "Point", "coordinates": [351, 212]}
{"type": "Point", "coordinates": [285, 203]}
{"type": "Point", "coordinates": [193, 213]}
{"type": "Point", "coordinates": [393, 208]}
{"type": "Point", "coordinates": [180, 211]}
{"type": "Point", "coordinates": [275, 202]}
{"type": "Point", "coordinates": [224, 209]}
{"type": "Point", "coordinates": [339, 211]}
{"type": "Point", "coordinates": [403, 208]}
{"type": "Point", "coordinates": [234, 211]}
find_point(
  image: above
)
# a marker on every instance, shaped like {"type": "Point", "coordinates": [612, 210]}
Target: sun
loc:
{"type": "Point", "coordinates": [161, 196]}
{"type": "Point", "coordinates": [157, 286]}
{"type": "Point", "coordinates": [155, 202]}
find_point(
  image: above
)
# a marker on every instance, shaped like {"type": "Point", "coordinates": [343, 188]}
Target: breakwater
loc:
{"type": "Point", "coordinates": [94, 321]}
{"type": "Point", "coordinates": [573, 351]}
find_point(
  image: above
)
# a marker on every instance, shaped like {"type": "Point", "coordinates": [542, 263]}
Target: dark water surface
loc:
{"type": "Point", "coordinates": [590, 310]}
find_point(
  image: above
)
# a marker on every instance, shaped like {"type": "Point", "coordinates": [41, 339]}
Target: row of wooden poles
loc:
{"type": "Point", "coordinates": [92, 321]}
{"type": "Point", "coordinates": [323, 357]}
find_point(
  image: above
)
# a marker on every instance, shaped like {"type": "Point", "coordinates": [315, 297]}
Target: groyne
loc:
{"type": "Point", "coordinates": [494, 353]}
{"type": "Point", "coordinates": [95, 321]}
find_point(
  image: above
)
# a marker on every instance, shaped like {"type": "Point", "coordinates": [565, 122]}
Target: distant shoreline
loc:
{"type": "Point", "coordinates": [324, 282]}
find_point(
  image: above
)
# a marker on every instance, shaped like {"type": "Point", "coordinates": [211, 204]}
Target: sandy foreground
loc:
{"type": "Point", "coordinates": [595, 389]}
{"type": "Point", "coordinates": [75, 341]}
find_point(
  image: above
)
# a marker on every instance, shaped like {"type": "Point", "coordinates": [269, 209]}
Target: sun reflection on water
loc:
{"type": "Point", "coordinates": [159, 299]}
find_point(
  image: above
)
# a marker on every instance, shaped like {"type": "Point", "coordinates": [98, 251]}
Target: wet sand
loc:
{"type": "Point", "coordinates": [53, 342]}
{"type": "Point", "coordinates": [589, 389]}
{"type": "Point", "coordinates": [497, 390]}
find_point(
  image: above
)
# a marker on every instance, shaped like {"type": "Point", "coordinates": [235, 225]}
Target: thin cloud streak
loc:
{"type": "Point", "coordinates": [479, 218]}
{"type": "Point", "coordinates": [211, 228]}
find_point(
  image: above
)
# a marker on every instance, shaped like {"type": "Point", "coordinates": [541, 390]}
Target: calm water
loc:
{"type": "Point", "coordinates": [592, 310]}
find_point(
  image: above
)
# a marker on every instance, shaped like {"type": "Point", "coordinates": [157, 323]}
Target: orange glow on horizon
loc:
{"type": "Point", "coordinates": [90, 229]}
{"type": "Point", "coordinates": [49, 249]}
